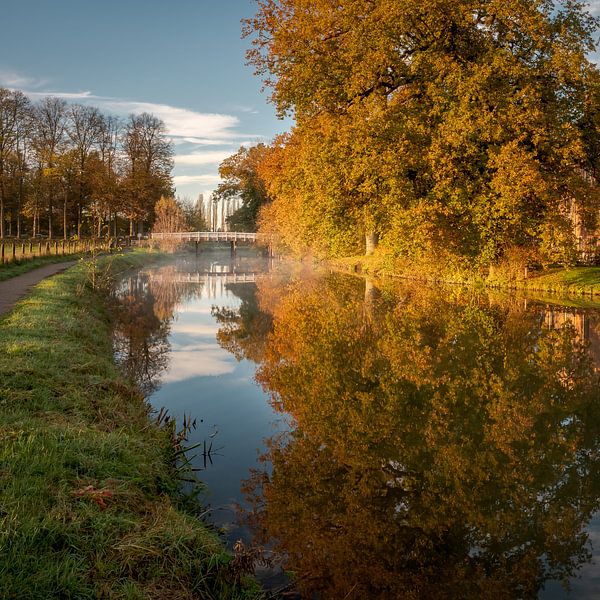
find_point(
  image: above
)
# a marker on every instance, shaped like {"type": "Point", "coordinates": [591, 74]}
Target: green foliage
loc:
{"type": "Point", "coordinates": [242, 180]}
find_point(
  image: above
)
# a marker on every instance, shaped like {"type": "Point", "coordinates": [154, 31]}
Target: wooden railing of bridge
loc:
{"type": "Point", "coordinates": [207, 236]}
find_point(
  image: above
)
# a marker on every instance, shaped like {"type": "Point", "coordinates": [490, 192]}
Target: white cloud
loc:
{"type": "Point", "coordinates": [246, 109]}
{"type": "Point", "coordinates": [201, 158]}
{"type": "Point", "coordinates": [84, 95]}
{"type": "Point", "coordinates": [11, 79]}
{"type": "Point", "coordinates": [188, 179]}
{"type": "Point", "coordinates": [180, 122]}
{"type": "Point", "coordinates": [202, 141]}
{"type": "Point", "coordinates": [594, 7]}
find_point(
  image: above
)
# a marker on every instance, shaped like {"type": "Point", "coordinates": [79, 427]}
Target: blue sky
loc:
{"type": "Point", "coordinates": [182, 60]}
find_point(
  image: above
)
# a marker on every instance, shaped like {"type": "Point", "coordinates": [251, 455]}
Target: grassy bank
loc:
{"type": "Point", "coordinates": [576, 281]}
{"type": "Point", "coordinates": [88, 494]}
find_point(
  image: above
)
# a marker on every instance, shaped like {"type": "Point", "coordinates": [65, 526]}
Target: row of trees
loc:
{"type": "Point", "coordinates": [69, 169]}
{"type": "Point", "coordinates": [452, 132]}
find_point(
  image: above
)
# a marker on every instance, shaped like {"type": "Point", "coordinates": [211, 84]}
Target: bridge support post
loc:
{"type": "Point", "coordinates": [197, 244]}
{"type": "Point", "coordinates": [233, 248]}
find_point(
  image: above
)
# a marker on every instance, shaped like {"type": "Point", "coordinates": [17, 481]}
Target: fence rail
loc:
{"type": "Point", "coordinates": [20, 250]}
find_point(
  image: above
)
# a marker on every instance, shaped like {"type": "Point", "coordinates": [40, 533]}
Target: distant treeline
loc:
{"type": "Point", "coordinates": [454, 134]}
{"type": "Point", "coordinates": [69, 170]}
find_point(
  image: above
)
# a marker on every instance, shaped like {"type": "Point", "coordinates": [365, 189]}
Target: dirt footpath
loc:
{"type": "Point", "coordinates": [15, 288]}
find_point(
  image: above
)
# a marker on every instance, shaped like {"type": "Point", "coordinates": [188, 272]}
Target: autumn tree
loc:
{"type": "Point", "coordinates": [169, 216]}
{"type": "Point", "coordinates": [148, 166]}
{"type": "Point", "coordinates": [85, 128]}
{"type": "Point", "coordinates": [194, 214]}
{"type": "Point", "coordinates": [50, 121]}
{"type": "Point", "coordinates": [450, 130]}
{"type": "Point", "coordinates": [240, 173]}
{"type": "Point", "coordinates": [15, 119]}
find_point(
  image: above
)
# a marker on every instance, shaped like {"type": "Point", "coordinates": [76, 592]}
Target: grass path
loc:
{"type": "Point", "coordinates": [15, 288]}
{"type": "Point", "coordinates": [12, 269]}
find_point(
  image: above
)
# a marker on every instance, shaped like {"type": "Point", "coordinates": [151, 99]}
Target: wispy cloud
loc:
{"type": "Point", "coordinates": [11, 79]}
{"type": "Point", "coordinates": [180, 122]}
{"type": "Point", "coordinates": [594, 7]}
{"type": "Point", "coordinates": [196, 141]}
{"type": "Point", "coordinates": [245, 109]}
{"type": "Point", "coordinates": [207, 179]}
{"type": "Point", "coordinates": [201, 158]}
{"type": "Point", "coordinates": [84, 95]}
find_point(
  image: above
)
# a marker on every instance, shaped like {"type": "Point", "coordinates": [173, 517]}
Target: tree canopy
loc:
{"type": "Point", "coordinates": [69, 168]}
{"type": "Point", "coordinates": [450, 130]}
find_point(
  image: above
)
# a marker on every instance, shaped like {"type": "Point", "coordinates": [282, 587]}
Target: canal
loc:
{"type": "Point", "coordinates": [389, 441]}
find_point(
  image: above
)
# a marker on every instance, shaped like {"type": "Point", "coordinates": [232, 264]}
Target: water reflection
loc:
{"type": "Point", "coordinates": [443, 444]}
{"type": "Point", "coordinates": [442, 448]}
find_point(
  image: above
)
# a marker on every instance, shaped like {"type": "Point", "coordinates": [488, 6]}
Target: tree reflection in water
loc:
{"type": "Point", "coordinates": [143, 308]}
{"type": "Point", "coordinates": [444, 445]}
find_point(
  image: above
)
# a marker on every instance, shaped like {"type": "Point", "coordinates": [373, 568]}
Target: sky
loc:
{"type": "Point", "coordinates": [181, 60]}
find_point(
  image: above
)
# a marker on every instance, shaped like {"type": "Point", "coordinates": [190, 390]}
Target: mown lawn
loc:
{"type": "Point", "coordinates": [579, 280]}
{"type": "Point", "coordinates": [88, 493]}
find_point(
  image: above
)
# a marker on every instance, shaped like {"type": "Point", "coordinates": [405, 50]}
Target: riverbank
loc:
{"type": "Point", "coordinates": [576, 281]}
{"type": "Point", "coordinates": [88, 491]}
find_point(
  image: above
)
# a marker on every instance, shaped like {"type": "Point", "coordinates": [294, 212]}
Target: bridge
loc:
{"type": "Point", "coordinates": [178, 277]}
{"type": "Point", "coordinates": [206, 236]}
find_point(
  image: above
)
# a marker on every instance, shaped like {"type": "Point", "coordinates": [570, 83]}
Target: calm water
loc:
{"type": "Point", "coordinates": [401, 442]}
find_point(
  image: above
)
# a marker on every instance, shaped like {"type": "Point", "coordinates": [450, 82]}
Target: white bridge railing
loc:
{"type": "Point", "coordinates": [206, 236]}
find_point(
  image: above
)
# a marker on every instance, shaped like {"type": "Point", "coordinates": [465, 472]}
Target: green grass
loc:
{"type": "Point", "coordinates": [75, 435]}
{"type": "Point", "coordinates": [579, 280]}
{"type": "Point", "coordinates": [12, 269]}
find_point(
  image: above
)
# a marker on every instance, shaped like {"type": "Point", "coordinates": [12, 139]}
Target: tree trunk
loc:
{"type": "Point", "coordinates": [19, 206]}
{"type": "Point", "coordinates": [1, 207]}
{"type": "Point", "coordinates": [65, 218]}
{"type": "Point", "coordinates": [371, 241]}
